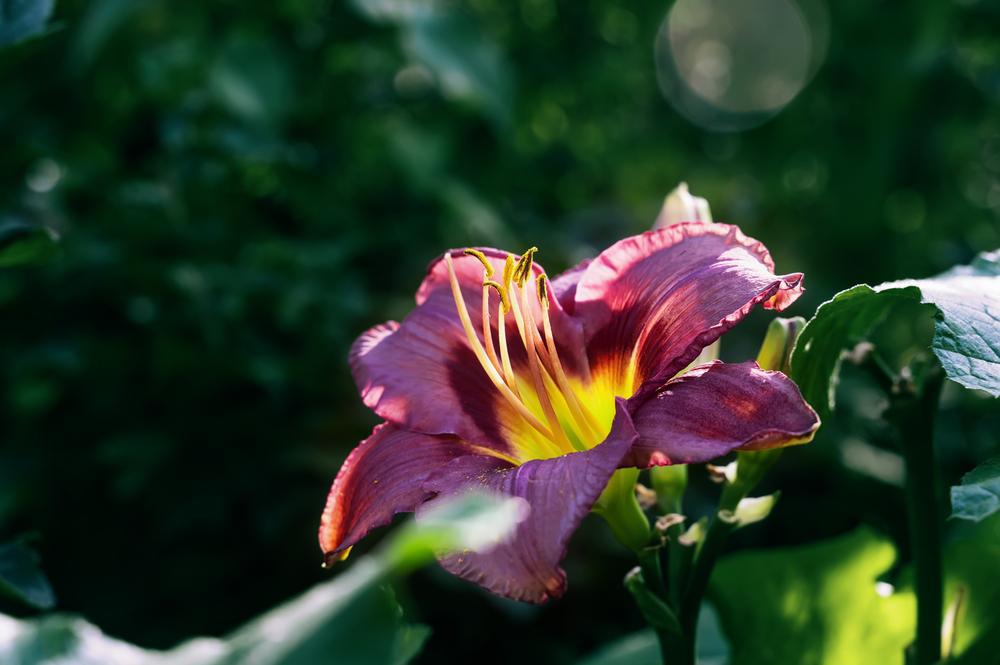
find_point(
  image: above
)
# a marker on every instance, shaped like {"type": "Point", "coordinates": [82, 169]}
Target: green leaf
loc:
{"type": "Point", "coordinates": [352, 619]}
{"type": "Point", "coordinates": [978, 496]}
{"type": "Point", "coordinates": [642, 648]}
{"type": "Point", "coordinates": [25, 243]}
{"type": "Point", "coordinates": [971, 565]}
{"type": "Point", "coordinates": [814, 605]}
{"type": "Point", "coordinates": [819, 604]}
{"type": "Point", "coordinates": [966, 333]}
{"type": "Point", "coordinates": [21, 577]}
{"type": "Point", "coordinates": [21, 19]}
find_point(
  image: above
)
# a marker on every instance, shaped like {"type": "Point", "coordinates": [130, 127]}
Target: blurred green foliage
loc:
{"type": "Point", "coordinates": [243, 187]}
{"type": "Point", "coordinates": [352, 620]}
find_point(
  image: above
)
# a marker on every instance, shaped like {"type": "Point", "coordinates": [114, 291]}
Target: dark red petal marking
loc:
{"type": "Point", "coordinates": [716, 408]}
{"type": "Point", "coordinates": [560, 492]}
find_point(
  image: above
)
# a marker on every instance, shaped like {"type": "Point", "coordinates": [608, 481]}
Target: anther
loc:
{"type": "Point", "coordinates": [498, 287]}
{"type": "Point", "coordinates": [482, 259]}
{"type": "Point", "coordinates": [542, 282]}
{"type": "Point", "coordinates": [524, 264]}
{"type": "Point", "coordinates": [508, 270]}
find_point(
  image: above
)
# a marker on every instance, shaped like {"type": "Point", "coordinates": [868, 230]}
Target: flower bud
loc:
{"type": "Point", "coordinates": [776, 349]}
{"type": "Point", "coordinates": [749, 511]}
{"type": "Point", "coordinates": [669, 482]}
{"type": "Point", "coordinates": [681, 206]}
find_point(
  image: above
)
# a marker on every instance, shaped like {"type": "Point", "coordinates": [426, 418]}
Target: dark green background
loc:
{"type": "Point", "coordinates": [244, 187]}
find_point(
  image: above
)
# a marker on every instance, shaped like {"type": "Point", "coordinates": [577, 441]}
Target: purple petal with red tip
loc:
{"type": "Point", "coordinates": [383, 476]}
{"type": "Point", "coordinates": [667, 294]}
{"type": "Point", "coordinates": [560, 492]}
{"type": "Point", "coordinates": [716, 408]}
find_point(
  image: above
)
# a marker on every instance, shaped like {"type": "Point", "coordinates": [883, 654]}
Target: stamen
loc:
{"type": "Point", "coordinates": [480, 353]}
{"type": "Point", "coordinates": [487, 332]}
{"type": "Point", "coordinates": [542, 282]}
{"type": "Point", "coordinates": [536, 375]}
{"type": "Point", "coordinates": [508, 271]}
{"type": "Point", "coordinates": [504, 300]}
{"type": "Point", "coordinates": [482, 259]}
{"type": "Point", "coordinates": [508, 370]}
{"type": "Point", "coordinates": [524, 265]}
{"type": "Point", "coordinates": [581, 414]}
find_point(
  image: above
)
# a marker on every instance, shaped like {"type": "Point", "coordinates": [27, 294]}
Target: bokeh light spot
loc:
{"type": "Point", "coordinates": [732, 64]}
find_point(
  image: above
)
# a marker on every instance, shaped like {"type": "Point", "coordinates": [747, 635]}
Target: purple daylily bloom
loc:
{"type": "Point", "coordinates": [501, 380]}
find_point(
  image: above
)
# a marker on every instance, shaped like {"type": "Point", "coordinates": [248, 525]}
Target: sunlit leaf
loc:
{"type": "Point", "coordinates": [966, 333]}
{"type": "Point", "coordinates": [25, 243]}
{"type": "Point", "coordinates": [22, 578]}
{"type": "Point", "coordinates": [978, 496]}
{"type": "Point", "coordinates": [823, 603]}
{"type": "Point", "coordinates": [814, 605]}
{"type": "Point", "coordinates": [971, 566]}
{"type": "Point", "coordinates": [21, 19]}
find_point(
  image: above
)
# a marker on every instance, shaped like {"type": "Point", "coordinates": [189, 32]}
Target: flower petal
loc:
{"type": "Point", "coordinates": [651, 302]}
{"type": "Point", "coordinates": [716, 408]}
{"type": "Point", "coordinates": [423, 375]}
{"type": "Point", "coordinates": [383, 476]}
{"type": "Point", "coordinates": [560, 492]}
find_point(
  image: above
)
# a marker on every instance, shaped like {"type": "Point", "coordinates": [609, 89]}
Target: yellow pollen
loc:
{"type": "Point", "coordinates": [508, 270]}
{"type": "Point", "coordinates": [542, 282]}
{"type": "Point", "coordinates": [504, 299]}
{"type": "Point", "coordinates": [523, 269]}
{"type": "Point", "coordinates": [487, 266]}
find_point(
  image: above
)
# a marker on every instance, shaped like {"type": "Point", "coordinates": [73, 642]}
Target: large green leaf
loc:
{"type": "Point", "coordinates": [820, 605]}
{"type": "Point", "coordinates": [978, 496]}
{"type": "Point", "coordinates": [21, 577]}
{"type": "Point", "coordinates": [351, 620]}
{"type": "Point", "coordinates": [21, 19]}
{"type": "Point", "coordinates": [814, 605]}
{"type": "Point", "coordinates": [966, 332]}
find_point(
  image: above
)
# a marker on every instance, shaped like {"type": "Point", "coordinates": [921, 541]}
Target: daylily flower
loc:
{"type": "Point", "coordinates": [503, 380]}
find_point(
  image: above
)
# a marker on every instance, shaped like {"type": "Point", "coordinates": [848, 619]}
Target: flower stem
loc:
{"type": "Point", "coordinates": [912, 414]}
{"type": "Point", "coordinates": [701, 571]}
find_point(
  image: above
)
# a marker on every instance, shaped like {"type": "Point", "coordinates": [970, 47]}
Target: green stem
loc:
{"type": "Point", "coordinates": [913, 417]}
{"type": "Point", "coordinates": [701, 571]}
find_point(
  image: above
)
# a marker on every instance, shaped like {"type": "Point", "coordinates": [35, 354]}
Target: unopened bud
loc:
{"type": "Point", "coordinates": [721, 474]}
{"type": "Point", "coordinates": [776, 349]}
{"type": "Point", "coordinates": [669, 483]}
{"type": "Point", "coordinates": [645, 496]}
{"type": "Point", "coordinates": [664, 522]}
{"type": "Point", "coordinates": [695, 533]}
{"type": "Point", "coordinates": [681, 206]}
{"type": "Point", "coordinates": [749, 511]}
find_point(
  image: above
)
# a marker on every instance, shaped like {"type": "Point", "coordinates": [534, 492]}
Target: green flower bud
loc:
{"type": "Point", "coordinates": [669, 482]}
{"type": "Point", "coordinates": [776, 350]}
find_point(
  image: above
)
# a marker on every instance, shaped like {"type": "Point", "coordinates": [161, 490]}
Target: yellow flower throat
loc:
{"type": "Point", "coordinates": [546, 410]}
